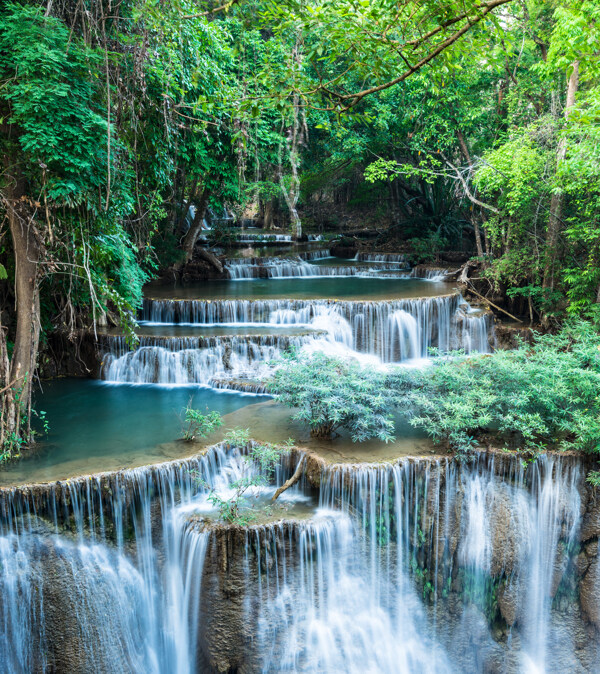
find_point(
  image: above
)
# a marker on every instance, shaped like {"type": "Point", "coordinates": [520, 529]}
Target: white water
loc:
{"type": "Point", "coordinates": [326, 617]}
{"type": "Point", "coordinates": [110, 602]}
{"type": "Point", "coordinates": [373, 332]}
{"type": "Point", "coordinates": [341, 591]}
{"type": "Point", "coordinates": [513, 522]}
{"type": "Point", "coordinates": [187, 361]}
{"type": "Point", "coordinates": [285, 268]}
{"type": "Point", "coordinates": [379, 328]}
{"type": "Point", "coordinates": [389, 258]}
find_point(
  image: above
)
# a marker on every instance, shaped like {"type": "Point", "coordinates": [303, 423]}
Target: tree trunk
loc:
{"type": "Point", "coordinates": [16, 404]}
{"type": "Point", "coordinates": [189, 240]}
{"type": "Point", "coordinates": [474, 219]}
{"type": "Point", "coordinates": [188, 203]}
{"type": "Point", "coordinates": [269, 207]}
{"type": "Point", "coordinates": [291, 482]}
{"type": "Point", "coordinates": [557, 200]}
{"type": "Point", "coordinates": [294, 141]}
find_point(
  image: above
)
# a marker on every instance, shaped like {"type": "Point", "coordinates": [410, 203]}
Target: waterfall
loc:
{"type": "Point", "coordinates": [411, 566]}
{"type": "Point", "coordinates": [264, 238]}
{"type": "Point", "coordinates": [429, 273]}
{"type": "Point", "coordinates": [311, 255]}
{"type": "Point", "coordinates": [375, 327]}
{"type": "Point", "coordinates": [404, 333]}
{"type": "Point", "coordinates": [321, 614]}
{"type": "Point", "coordinates": [492, 529]}
{"type": "Point", "coordinates": [195, 360]}
{"type": "Point", "coordinates": [553, 514]}
{"type": "Point", "coordinates": [82, 586]}
{"type": "Point", "coordinates": [283, 268]}
{"type": "Point", "coordinates": [389, 258]}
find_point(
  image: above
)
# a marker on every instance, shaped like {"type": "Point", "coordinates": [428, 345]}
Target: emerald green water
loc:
{"type": "Point", "coordinates": [346, 288]}
{"type": "Point", "coordinates": [96, 427]}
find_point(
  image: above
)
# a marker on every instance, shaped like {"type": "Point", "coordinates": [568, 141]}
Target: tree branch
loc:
{"type": "Point", "coordinates": [483, 10]}
{"type": "Point", "coordinates": [291, 482]}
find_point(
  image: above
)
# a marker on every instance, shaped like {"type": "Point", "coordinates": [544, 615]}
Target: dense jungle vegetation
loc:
{"type": "Point", "coordinates": [456, 125]}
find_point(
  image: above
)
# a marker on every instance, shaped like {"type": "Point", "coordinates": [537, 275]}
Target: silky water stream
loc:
{"type": "Point", "coordinates": [381, 559]}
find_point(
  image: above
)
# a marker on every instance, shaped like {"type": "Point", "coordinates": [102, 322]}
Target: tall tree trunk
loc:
{"type": "Point", "coordinates": [295, 139]}
{"type": "Point", "coordinates": [474, 218]}
{"type": "Point", "coordinates": [292, 193]}
{"type": "Point", "coordinates": [187, 203]}
{"type": "Point", "coordinates": [16, 403]}
{"type": "Point", "coordinates": [193, 233]}
{"type": "Point", "coordinates": [189, 240]}
{"type": "Point", "coordinates": [269, 207]}
{"type": "Point", "coordinates": [557, 200]}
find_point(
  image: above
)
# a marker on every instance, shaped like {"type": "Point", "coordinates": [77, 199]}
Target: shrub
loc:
{"type": "Point", "coordinates": [333, 393]}
{"type": "Point", "coordinates": [197, 425]}
{"type": "Point", "coordinates": [532, 398]}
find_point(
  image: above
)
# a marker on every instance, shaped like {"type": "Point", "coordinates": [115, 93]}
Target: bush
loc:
{"type": "Point", "coordinates": [333, 393]}
{"type": "Point", "coordinates": [532, 398]}
{"type": "Point", "coordinates": [197, 425]}
{"type": "Point", "coordinates": [424, 250]}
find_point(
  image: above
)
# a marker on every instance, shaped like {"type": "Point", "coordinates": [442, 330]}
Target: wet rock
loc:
{"type": "Point", "coordinates": [509, 336]}
{"type": "Point", "coordinates": [344, 251]}
{"type": "Point", "coordinates": [473, 645]}
{"type": "Point", "coordinates": [508, 535]}
{"type": "Point", "coordinates": [590, 527]}
{"type": "Point", "coordinates": [508, 600]}
{"type": "Point", "coordinates": [589, 592]}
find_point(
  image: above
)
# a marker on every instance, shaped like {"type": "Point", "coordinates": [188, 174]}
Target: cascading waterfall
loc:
{"type": "Point", "coordinates": [195, 360]}
{"type": "Point", "coordinates": [409, 567]}
{"type": "Point", "coordinates": [82, 584]}
{"type": "Point", "coordinates": [330, 608]}
{"type": "Point", "coordinates": [283, 268]}
{"type": "Point", "coordinates": [311, 255]}
{"type": "Point", "coordinates": [382, 328]}
{"type": "Point", "coordinates": [264, 238]}
{"type": "Point", "coordinates": [484, 529]}
{"type": "Point", "coordinates": [389, 258]}
{"type": "Point", "coordinates": [428, 273]}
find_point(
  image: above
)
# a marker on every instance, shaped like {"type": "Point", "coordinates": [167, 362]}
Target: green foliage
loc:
{"type": "Point", "coordinates": [593, 478]}
{"type": "Point", "coordinates": [222, 234]}
{"type": "Point", "coordinates": [543, 396]}
{"type": "Point", "coordinates": [261, 460]}
{"type": "Point", "coordinates": [329, 394]}
{"type": "Point", "coordinates": [237, 437]}
{"type": "Point", "coordinates": [426, 249]}
{"type": "Point", "coordinates": [197, 425]}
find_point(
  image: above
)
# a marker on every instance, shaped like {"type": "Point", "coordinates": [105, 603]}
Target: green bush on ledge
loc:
{"type": "Point", "coordinates": [330, 394]}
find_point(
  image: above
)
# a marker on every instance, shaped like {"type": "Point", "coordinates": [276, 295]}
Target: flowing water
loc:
{"type": "Point", "coordinates": [380, 559]}
{"type": "Point", "coordinates": [397, 568]}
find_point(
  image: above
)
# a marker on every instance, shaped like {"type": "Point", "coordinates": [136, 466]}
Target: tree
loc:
{"type": "Point", "coordinates": [57, 157]}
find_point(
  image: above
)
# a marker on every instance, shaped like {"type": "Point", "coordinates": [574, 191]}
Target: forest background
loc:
{"type": "Point", "coordinates": [443, 125]}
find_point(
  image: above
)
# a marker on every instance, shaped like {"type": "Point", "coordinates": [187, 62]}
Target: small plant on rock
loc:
{"type": "Point", "coordinates": [196, 425]}
{"type": "Point", "coordinates": [261, 460]}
